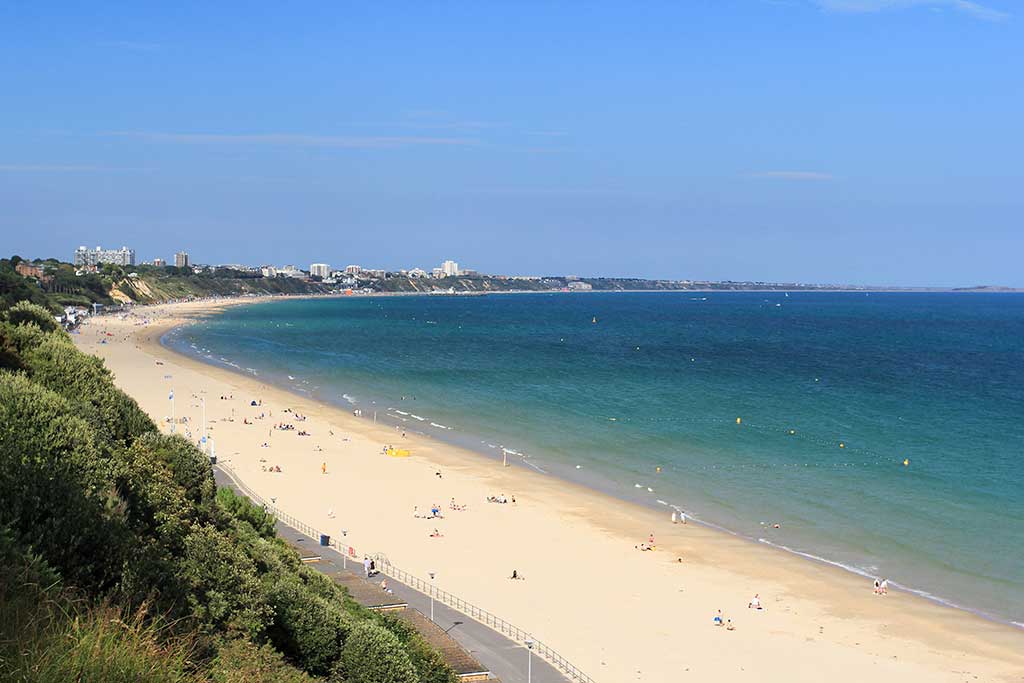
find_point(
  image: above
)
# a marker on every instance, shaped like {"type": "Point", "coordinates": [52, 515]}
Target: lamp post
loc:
{"type": "Point", "coordinates": [431, 595]}
{"type": "Point", "coordinates": [529, 660]}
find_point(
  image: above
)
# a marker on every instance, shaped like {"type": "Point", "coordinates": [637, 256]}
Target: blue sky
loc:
{"type": "Point", "coordinates": [862, 141]}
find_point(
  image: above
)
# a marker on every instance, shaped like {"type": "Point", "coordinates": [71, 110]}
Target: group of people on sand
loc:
{"type": "Point", "coordinates": [720, 620]}
{"type": "Point", "coordinates": [882, 587]}
{"type": "Point", "coordinates": [649, 545]}
{"type": "Point", "coordinates": [272, 468]}
{"type": "Point", "coordinates": [500, 498]}
{"type": "Point", "coordinates": [435, 512]}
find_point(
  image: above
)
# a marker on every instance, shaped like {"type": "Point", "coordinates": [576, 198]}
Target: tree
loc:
{"type": "Point", "coordinates": [373, 654]}
{"type": "Point", "coordinates": [54, 362]}
{"type": "Point", "coordinates": [56, 491]}
{"type": "Point", "coordinates": [225, 590]}
{"type": "Point", "coordinates": [28, 313]}
{"type": "Point", "coordinates": [243, 510]}
{"type": "Point", "coordinates": [10, 358]}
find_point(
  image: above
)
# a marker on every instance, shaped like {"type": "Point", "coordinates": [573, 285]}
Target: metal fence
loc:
{"type": "Point", "coordinates": [386, 567]}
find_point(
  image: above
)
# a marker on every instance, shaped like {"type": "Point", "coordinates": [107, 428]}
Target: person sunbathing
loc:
{"type": "Point", "coordinates": [436, 534]}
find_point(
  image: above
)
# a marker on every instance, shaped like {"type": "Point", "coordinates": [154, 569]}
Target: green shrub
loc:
{"type": "Point", "coordinates": [53, 361]}
{"type": "Point", "coordinates": [26, 313]}
{"type": "Point", "coordinates": [240, 661]}
{"type": "Point", "coordinates": [308, 629]}
{"type": "Point", "coordinates": [241, 508]}
{"type": "Point", "coordinates": [56, 492]}
{"type": "Point", "coordinates": [430, 666]}
{"type": "Point", "coordinates": [10, 357]}
{"type": "Point", "coordinates": [373, 654]}
{"type": "Point", "coordinates": [224, 589]}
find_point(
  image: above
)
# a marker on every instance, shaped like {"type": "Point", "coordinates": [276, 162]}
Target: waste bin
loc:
{"type": "Point", "coordinates": [325, 540]}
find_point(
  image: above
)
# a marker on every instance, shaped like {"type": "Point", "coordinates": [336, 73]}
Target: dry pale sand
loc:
{"type": "Point", "coordinates": [617, 613]}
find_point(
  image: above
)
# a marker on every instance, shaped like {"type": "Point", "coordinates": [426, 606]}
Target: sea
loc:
{"type": "Point", "coordinates": [882, 432]}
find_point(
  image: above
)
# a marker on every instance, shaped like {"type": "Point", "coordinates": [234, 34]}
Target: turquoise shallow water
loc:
{"type": "Point", "coordinates": [659, 381]}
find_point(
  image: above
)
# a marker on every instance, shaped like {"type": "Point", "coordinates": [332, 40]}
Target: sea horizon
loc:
{"type": "Point", "coordinates": [717, 460]}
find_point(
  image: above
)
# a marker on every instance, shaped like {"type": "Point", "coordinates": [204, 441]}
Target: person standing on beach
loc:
{"type": "Point", "coordinates": [366, 566]}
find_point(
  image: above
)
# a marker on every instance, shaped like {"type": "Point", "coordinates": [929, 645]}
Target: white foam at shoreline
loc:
{"type": "Point", "coordinates": [871, 575]}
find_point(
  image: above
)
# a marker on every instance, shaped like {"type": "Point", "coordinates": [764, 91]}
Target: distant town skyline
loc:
{"type": "Point", "coordinates": [862, 142]}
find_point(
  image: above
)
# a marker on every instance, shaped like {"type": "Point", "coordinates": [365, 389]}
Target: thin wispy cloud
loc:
{"type": "Point", "coordinates": [975, 9]}
{"type": "Point", "coordinates": [50, 168]}
{"type": "Point", "coordinates": [793, 175]}
{"type": "Point", "coordinates": [135, 45]}
{"type": "Point", "coordinates": [298, 140]}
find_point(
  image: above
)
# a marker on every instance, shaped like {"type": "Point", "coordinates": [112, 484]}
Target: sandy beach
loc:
{"type": "Point", "coordinates": [619, 613]}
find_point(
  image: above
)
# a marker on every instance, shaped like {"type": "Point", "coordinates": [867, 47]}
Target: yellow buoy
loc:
{"type": "Point", "coordinates": [906, 462]}
{"type": "Point", "coordinates": [657, 469]}
{"type": "Point", "coordinates": [842, 445]}
{"type": "Point", "coordinates": [792, 431]}
{"type": "Point", "coordinates": [739, 420]}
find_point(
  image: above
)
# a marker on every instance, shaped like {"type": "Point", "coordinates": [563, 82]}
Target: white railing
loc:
{"type": "Point", "coordinates": [385, 565]}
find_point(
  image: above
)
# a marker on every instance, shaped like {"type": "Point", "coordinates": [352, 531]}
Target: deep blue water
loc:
{"type": "Point", "coordinates": [660, 380]}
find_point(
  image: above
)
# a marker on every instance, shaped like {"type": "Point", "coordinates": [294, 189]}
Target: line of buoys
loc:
{"type": "Point", "coordinates": [768, 430]}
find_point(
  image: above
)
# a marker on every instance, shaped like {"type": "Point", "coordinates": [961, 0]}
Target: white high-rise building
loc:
{"type": "Point", "coordinates": [450, 268]}
{"type": "Point", "coordinates": [181, 259]}
{"type": "Point", "coordinates": [322, 270]}
{"type": "Point", "coordinates": [93, 257]}
{"type": "Point", "coordinates": [353, 269]}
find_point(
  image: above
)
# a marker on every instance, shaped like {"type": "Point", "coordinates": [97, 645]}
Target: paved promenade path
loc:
{"type": "Point", "coordinates": [504, 658]}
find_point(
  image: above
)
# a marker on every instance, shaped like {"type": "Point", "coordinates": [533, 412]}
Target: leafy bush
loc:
{"type": "Point", "coordinates": [373, 654]}
{"type": "Point", "coordinates": [225, 591]}
{"type": "Point", "coordinates": [54, 362]}
{"type": "Point", "coordinates": [429, 665]}
{"type": "Point", "coordinates": [241, 661]}
{"type": "Point", "coordinates": [242, 509]}
{"type": "Point", "coordinates": [26, 313]}
{"type": "Point", "coordinates": [55, 489]}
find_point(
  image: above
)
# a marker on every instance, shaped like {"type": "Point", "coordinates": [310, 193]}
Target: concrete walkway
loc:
{"type": "Point", "coordinates": [504, 658]}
